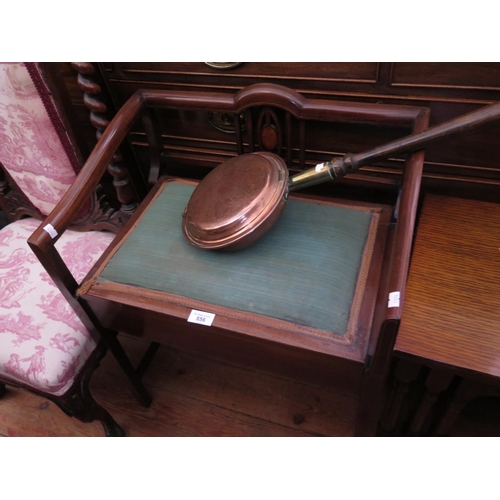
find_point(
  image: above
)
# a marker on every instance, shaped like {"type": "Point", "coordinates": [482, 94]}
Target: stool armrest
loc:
{"type": "Point", "coordinates": [66, 210]}
{"type": "Point", "coordinates": [42, 241]}
{"type": "Point", "coordinates": [405, 225]}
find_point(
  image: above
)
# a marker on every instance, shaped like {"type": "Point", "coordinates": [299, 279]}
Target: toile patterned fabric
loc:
{"type": "Point", "coordinates": [42, 342]}
{"type": "Point", "coordinates": [30, 147]}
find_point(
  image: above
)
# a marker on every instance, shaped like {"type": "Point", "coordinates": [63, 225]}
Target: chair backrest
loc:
{"type": "Point", "coordinates": [38, 160]}
{"type": "Point", "coordinates": [35, 150]}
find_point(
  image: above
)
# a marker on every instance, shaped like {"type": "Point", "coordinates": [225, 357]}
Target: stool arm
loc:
{"type": "Point", "coordinates": [72, 202]}
{"type": "Point", "coordinates": [42, 241]}
{"type": "Point", "coordinates": [405, 225]}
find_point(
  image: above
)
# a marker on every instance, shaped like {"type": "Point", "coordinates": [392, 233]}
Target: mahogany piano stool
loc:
{"type": "Point", "coordinates": [294, 303]}
{"type": "Point", "coordinates": [451, 314]}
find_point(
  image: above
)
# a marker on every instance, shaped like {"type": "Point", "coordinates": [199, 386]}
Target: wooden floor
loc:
{"type": "Point", "coordinates": [194, 396]}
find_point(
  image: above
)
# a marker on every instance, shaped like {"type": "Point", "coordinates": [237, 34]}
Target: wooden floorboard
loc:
{"type": "Point", "coordinates": [198, 397]}
{"type": "Point", "coordinates": [272, 399]}
{"type": "Point", "coordinates": [192, 396]}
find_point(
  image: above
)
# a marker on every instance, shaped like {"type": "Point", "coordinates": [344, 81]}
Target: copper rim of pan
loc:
{"type": "Point", "coordinates": [235, 199]}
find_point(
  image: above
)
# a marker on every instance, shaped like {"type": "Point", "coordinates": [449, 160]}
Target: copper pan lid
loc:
{"type": "Point", "coordinates": [234, 199]}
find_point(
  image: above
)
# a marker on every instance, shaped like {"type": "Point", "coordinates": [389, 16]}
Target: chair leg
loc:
{"type": "Point", "coordinates": [79, 403]}
{"type": "Point", "coordinates": [83, 406]}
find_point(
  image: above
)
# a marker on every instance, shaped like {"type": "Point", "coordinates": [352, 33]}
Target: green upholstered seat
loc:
{"type": "Point", "coordinates": [304, 271]}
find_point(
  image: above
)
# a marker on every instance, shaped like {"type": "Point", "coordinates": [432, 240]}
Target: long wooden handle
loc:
{"type": "Point", "coordinates": [416, 142]}
{"type": "Point", "coordinates": [339, 167]}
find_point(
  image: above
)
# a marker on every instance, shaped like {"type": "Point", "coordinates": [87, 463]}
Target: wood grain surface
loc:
{"type": "Point", "coordinates": [451, 314]}
{"type": "Point", "coordinates": [195, 396]}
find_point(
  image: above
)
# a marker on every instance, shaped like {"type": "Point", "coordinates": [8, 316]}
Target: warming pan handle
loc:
{"type": "Point", "coordinates": [339, 167]}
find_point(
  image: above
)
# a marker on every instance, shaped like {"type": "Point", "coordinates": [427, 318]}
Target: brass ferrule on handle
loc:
{"type": "Point", "coordinates": [310, 177]}
{"type": "Point", "coordinates": [333, 169]}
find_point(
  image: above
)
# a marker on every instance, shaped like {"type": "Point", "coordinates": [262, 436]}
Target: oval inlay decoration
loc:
{"type": "Point", "coordinates": [269, 137]}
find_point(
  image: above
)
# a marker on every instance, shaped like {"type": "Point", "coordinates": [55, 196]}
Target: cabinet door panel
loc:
{"type": "Point", "coordinates": [451, 75]}
{"type": "Point", "coordinates": [346, 71]}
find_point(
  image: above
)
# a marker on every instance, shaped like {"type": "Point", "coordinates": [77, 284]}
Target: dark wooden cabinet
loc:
{"type": "Point", "coordinates": [464, 166]}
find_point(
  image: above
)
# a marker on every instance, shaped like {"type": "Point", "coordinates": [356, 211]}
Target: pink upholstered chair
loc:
{"type": "Point", "coordinates": [47, 345]}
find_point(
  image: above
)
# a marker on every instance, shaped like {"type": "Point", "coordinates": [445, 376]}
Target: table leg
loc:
{"type": "Point", "coordinates": [404, 374]}
{"type": "Point", "coordinates": [437, 381]}
{"type": "Point", "coordinates": [466, 392]}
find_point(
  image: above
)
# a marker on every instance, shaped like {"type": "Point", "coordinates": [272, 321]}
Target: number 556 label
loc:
{"type": "Point", "coordinates": [200, 317]}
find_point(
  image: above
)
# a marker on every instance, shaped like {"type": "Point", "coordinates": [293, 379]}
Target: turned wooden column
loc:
{"type": "Point", "coordinates": [436, 383]}
{"type": "Point", "coordinates": [465, 393]}
{"type": "Point", "coordinates": [98, 117]}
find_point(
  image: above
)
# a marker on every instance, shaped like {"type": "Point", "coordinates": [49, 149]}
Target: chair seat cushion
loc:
{"type": "Point", "coordinates": [43, 344]}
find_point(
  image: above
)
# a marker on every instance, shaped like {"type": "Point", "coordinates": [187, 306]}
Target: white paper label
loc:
{"type": "Point", "coordinates": [394, 299]}
{"type": "Point", "coordinates": [200, 317]}
{"type": "Point", "coordinates": [49, 228]}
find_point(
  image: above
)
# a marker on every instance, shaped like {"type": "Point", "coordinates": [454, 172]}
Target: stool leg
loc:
{"type": "Point", "coordinates": [134, 379]}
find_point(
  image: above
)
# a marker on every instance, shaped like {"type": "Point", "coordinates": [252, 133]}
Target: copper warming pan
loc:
{"type": "Point", "coordinates": [242, 198]}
